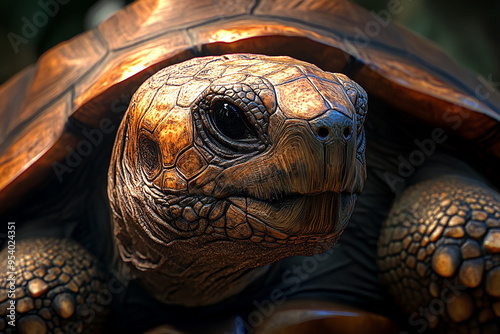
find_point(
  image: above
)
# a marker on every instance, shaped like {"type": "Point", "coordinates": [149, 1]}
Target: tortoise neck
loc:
{"type": "Point", "coordinates": [254, 276]}
{"type": "Point", "coordinates": [200, 290]}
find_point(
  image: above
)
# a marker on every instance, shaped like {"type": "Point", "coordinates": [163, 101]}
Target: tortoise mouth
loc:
{"type": "Point", "coordinates": [300, 215]}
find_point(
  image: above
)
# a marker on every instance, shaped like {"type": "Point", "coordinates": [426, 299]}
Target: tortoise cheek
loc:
{"type": "Point", "coordinates": [191, 163]}
{"type": "Point", "coordinates": [172, 182]}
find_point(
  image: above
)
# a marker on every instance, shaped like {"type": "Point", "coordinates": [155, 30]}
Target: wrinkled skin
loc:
{"type": "Point", "coordinates": [226, 164]}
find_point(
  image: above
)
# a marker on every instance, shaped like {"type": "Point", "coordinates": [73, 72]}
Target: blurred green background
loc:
{"type": "Point", "coordinates": [468, 31]}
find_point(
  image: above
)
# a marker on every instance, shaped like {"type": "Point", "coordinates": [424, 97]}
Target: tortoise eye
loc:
{"type": "Point", "coordinates": [231, 121]}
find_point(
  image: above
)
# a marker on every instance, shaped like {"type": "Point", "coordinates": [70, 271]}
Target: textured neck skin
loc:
{"type": "Point", "coordinates": [192, 291]}
{"type": "Point", "coordinates": [201, 291]}
{"type": "Point", "coordinates": [232, 288]}
{"type": "Point", "coordinates": [207, 272]}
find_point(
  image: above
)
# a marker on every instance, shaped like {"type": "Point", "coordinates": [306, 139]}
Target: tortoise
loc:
{"type": "Point", "coordinates": [235, 142]}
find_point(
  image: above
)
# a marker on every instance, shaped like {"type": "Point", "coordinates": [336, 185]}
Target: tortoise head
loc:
{"type": "Point", "coordinates": [225, 164]}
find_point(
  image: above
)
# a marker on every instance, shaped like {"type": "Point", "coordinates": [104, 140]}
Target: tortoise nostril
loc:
{"type": "Point", "coordinates": [323, 132]}
{"type": "Point", "coordinates": [347, 132]}
{"type": "Point", "coordinates": [333, 126]}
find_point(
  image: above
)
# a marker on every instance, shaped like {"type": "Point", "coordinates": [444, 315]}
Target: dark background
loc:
{"type": "Point", "coordinates": [469, 31]}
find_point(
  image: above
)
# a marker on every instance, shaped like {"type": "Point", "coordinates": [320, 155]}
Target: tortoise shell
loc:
{"type": "Point", "coordinates": [87, 78]}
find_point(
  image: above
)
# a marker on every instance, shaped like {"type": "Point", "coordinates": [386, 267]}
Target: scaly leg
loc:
{"type": "Point", "coordinates": [57, 288]}
{"type": "Point", "coordinates": [439, 254]}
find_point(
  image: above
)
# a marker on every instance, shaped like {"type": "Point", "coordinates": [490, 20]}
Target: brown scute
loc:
{"type": "Point", "coordinates": [306, 99]}
{"type": "Point", "coordinates": [32, 324]}
{"type": "Point", "coordinates": [461, 308]}
{"type": "Point", "coordinates": [37, 287]}
{"type": "Point", "coordinates": [471, 272]}
{"type": "Point", "coordinates": [446, 260]}
{"type": "Point", "coordinates": [64, 305]}
{"type": "Point", "coordinates": [492, 241]}
{"type": "Point", "coordinates": [493, 282]}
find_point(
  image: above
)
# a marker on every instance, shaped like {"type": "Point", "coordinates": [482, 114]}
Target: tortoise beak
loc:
{"type": "Point", "coordinates": [325, 213]}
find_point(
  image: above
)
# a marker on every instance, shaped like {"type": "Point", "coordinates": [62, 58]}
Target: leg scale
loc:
{"type": "Point", "coordinates": [439, 255]}
{"type": "Point", "coordinates": [57, 288]}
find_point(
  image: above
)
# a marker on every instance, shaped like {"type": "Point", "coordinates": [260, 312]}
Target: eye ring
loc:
{"type": "Point", "coordinates": [228, 125]}
{"type": "Point", "coordinates": [231, 122]}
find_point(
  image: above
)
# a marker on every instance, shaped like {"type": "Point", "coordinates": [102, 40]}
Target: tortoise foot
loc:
{"type": "Point", "coordinates": [54, 287]}
{"type": "Point", "coordinates": [439, 254]}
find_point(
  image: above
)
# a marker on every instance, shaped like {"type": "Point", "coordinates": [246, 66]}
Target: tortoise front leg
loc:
{"type": "Point", "coordinates": [57, 288]}
{"type": "Point", "coordinates": [439, 254]}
